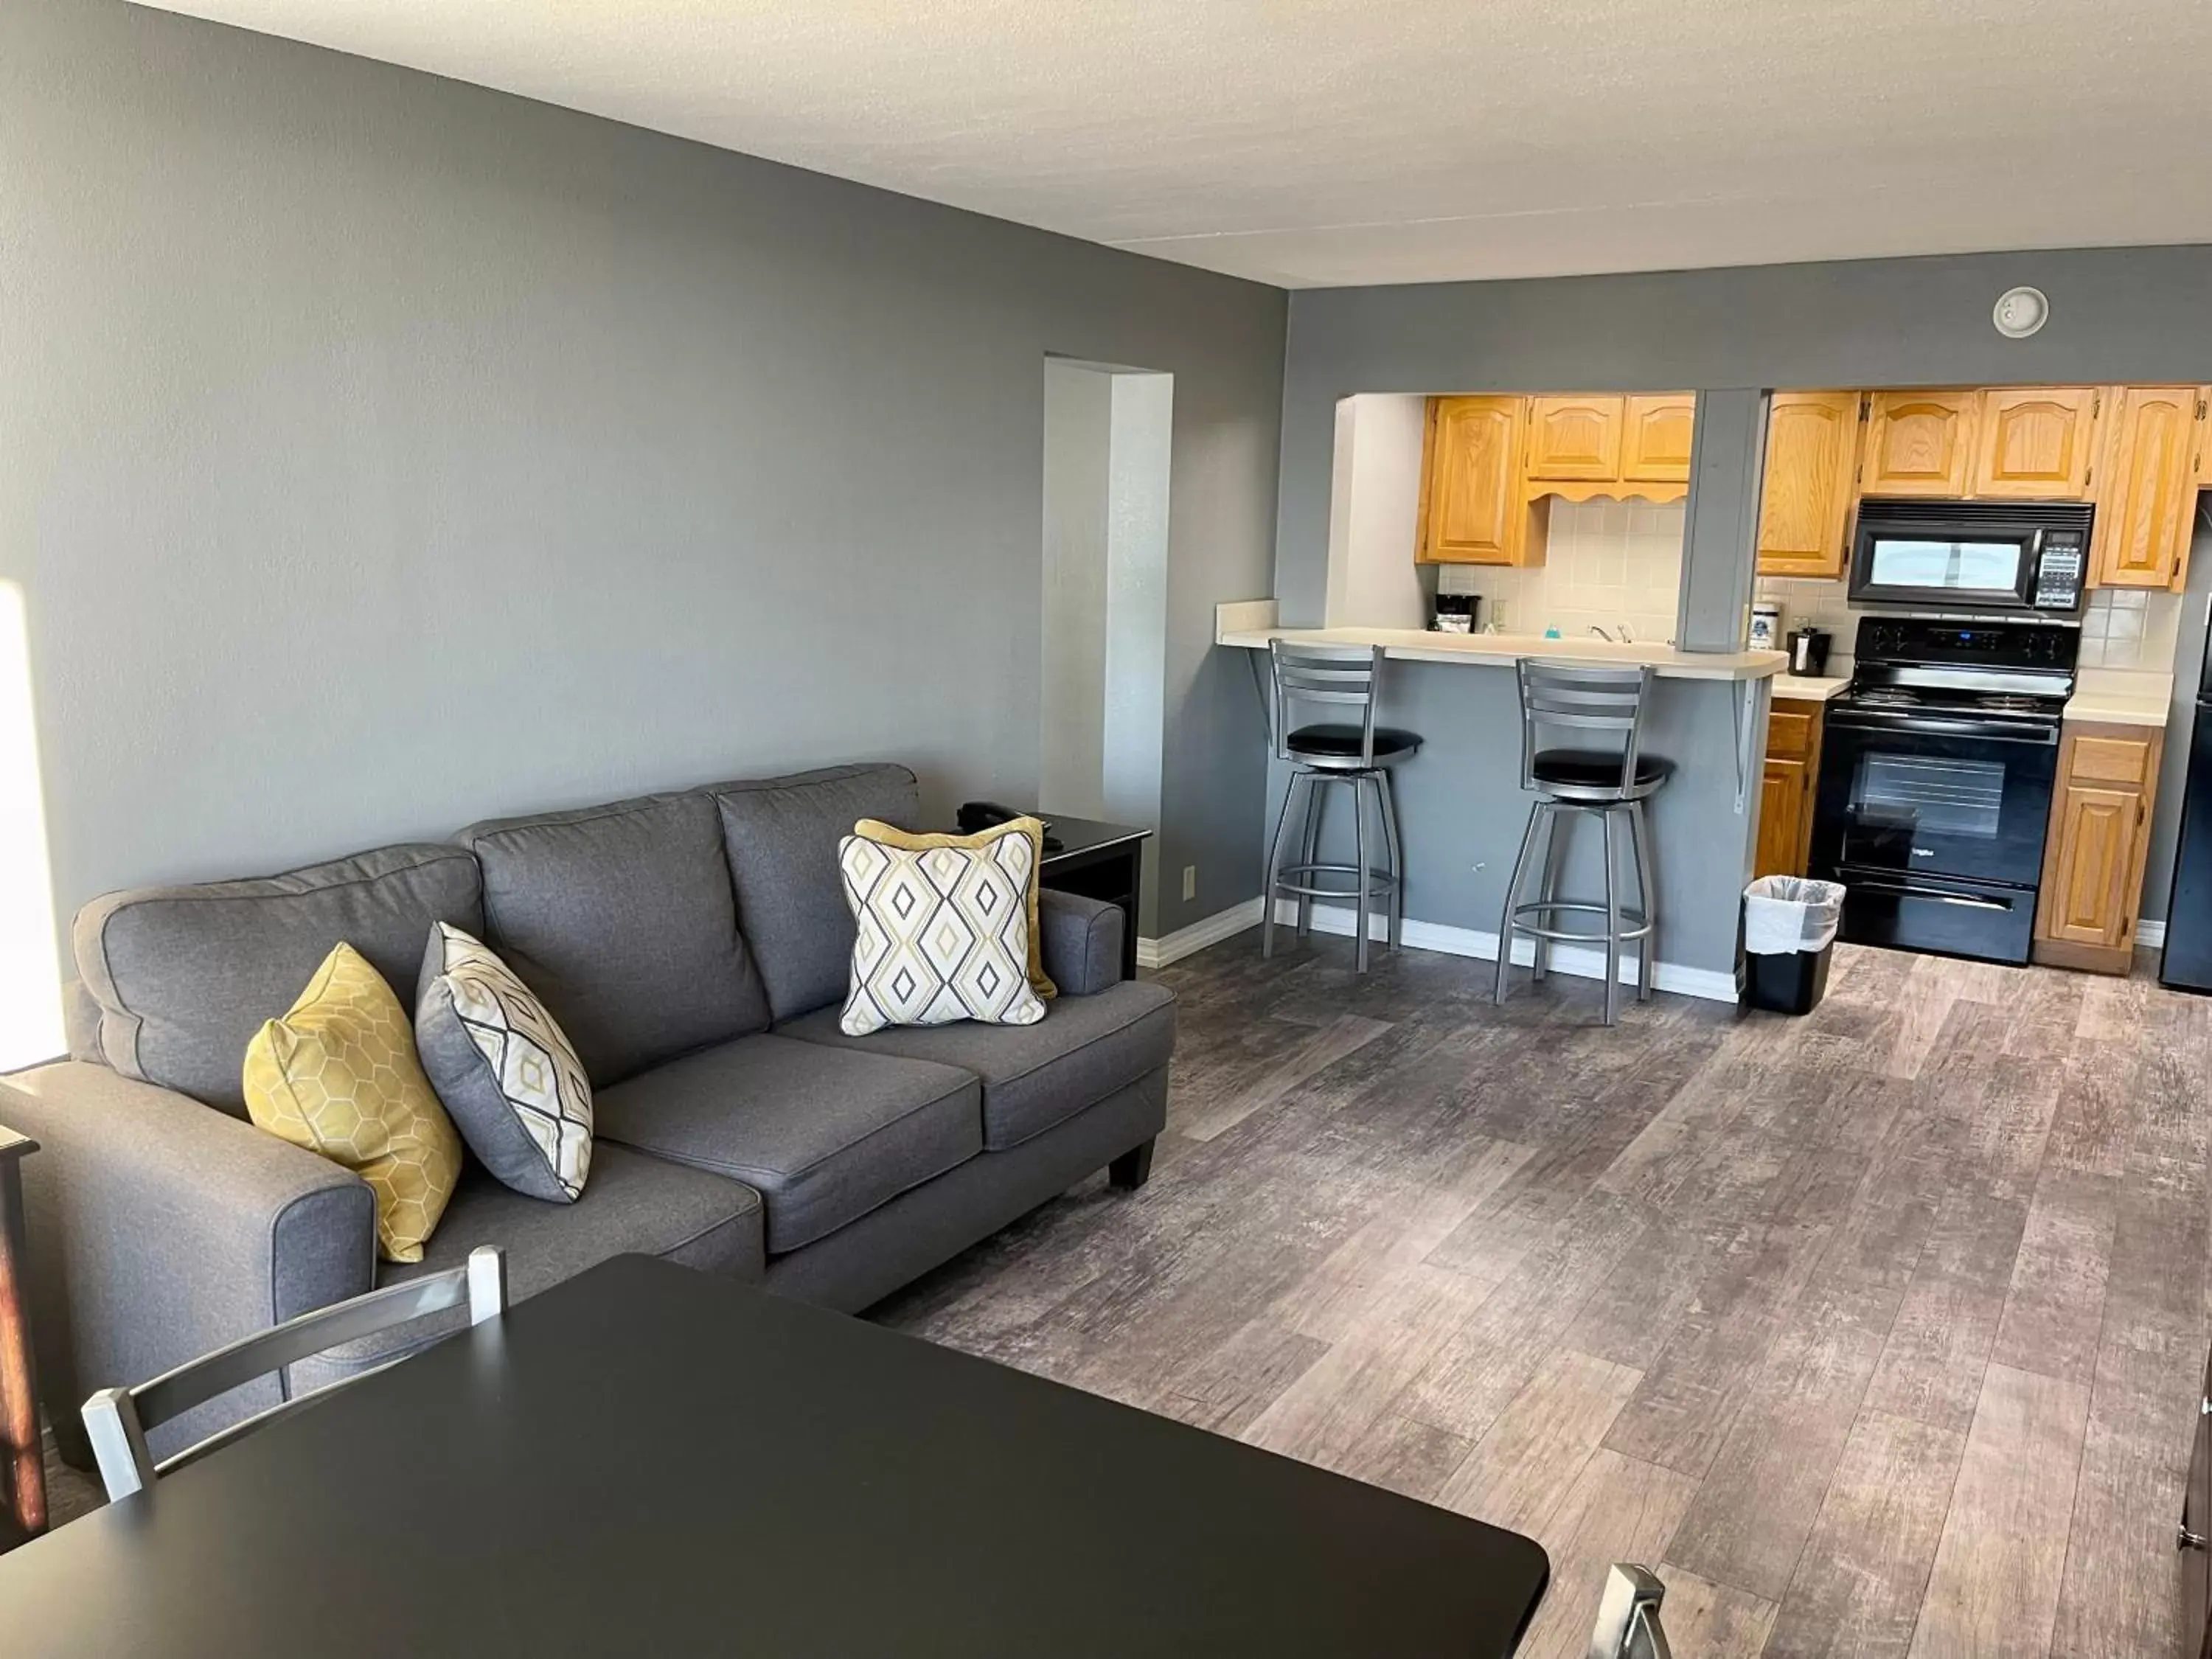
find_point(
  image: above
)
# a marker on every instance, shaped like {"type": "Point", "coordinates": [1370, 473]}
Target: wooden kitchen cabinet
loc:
{"type": "Point", "coordinates": [1473, 508]}
{"type": "Point", "coordinates": [1574, 439]}
{"type": "Point", "coordinates": [1806, 499]}
{"type": "Point", "coordinates": [2093, 861]}
{"type": "Point", "coordinates": [1655, 432]}
{"type": "Point", "coordinates": [1919, 443]}
{"type": "Point", "coordinates": [1786, 787]}
{"type": "Point", "coordinates": [2037, 443]}
{"type": "Point", "coordinates": [2147, 498]}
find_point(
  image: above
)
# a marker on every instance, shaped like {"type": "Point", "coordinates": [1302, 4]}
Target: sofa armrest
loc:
{"type": "Point", "coordinates": [1081, 941]}
{"type": "Point", "coordinates": [159, 1228]}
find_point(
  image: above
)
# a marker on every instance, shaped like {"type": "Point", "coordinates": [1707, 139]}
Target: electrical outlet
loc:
{"type": "Point", "coordinates": [1190, 881]}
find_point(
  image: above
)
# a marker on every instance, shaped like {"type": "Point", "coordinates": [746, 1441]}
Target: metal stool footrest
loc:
{"type": "Point", "coordinates": [1639, 924]}
{"type": "Point", "coordinates": [1381, 884]}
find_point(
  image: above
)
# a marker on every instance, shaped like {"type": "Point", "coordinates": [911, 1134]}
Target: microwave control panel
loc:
{"type": "Point", "coordinates": [2058, 573]}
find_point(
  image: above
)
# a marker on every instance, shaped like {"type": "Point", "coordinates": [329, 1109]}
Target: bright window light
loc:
{"type": "Point", "coordinates": [30, 979]}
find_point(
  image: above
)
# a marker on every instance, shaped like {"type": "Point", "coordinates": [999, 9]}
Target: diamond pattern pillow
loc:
{"type": "Point", "coordinates": [509, 1078]}
{"type": "Point", "coordinates": [943, 933]}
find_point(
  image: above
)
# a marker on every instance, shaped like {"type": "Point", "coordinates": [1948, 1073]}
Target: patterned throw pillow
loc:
{"type": "Point", "coordinates": [943, 932]}
{"type": "Point", "coordinates": [338, 1075]}
{"type": "Point", "coordinates": [910, 841]}
{"type": "Point", "coordinates": [505, 1070]}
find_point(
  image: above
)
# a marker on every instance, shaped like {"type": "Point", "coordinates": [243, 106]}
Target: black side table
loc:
{"type": "Point", "coordinates": [22, 1459]}
{"type": "Point", "coordinates": [1103, 861]}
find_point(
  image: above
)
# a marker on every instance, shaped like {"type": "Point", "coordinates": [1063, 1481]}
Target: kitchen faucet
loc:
{"type": "Point", "coordinates": [1627, 638]}
{"type": "Point", "coordinates": [1603, 634]}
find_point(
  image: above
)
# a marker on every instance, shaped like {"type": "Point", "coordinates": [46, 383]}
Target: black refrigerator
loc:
{"type": "Point", "coordinates": [2187, 962]}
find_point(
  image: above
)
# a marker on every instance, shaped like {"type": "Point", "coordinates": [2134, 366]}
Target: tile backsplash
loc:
{"type": "Point", "coordinates": [2121, 627]}
{"type": "Point", "coordinates": [1607, 564]}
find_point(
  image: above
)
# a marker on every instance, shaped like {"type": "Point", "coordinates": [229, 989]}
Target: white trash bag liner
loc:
{"type": "Point", "coordinates": [1783, 914]}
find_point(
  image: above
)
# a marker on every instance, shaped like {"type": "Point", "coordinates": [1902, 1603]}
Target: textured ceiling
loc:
{"type": "Point", "coordinates": [1325, 142]}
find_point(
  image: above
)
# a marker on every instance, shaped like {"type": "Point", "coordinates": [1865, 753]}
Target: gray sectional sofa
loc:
{"type": "Point", "coordinates": [695, 946]}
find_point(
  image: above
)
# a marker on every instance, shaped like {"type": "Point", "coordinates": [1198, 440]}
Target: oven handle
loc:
{"type": "Point", "coordinates": [1904, 889]}
{"type": "Point", "coordinates": [2000, 731]}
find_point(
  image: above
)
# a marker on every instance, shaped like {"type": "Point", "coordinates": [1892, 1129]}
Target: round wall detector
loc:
{"type": "Point", "coordinates": [2020, 311]}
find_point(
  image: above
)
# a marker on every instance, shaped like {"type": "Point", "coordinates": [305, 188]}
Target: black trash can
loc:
{"type": "Point", "coordinates": [1788, 935]}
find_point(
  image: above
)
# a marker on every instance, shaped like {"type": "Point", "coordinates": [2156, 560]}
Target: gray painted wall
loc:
{"type": "Point", "coordinates": [383, 452]}
{"type": "Point", "coordinates": [2132, 314]}
{"type": "Point", "coordinates": [1079, 404]}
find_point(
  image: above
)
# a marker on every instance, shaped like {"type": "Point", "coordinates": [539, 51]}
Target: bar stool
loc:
{"type": "Point", "coordinates": [1579, 698]}
{"type": "Point", "coordinates": [1353, 750]}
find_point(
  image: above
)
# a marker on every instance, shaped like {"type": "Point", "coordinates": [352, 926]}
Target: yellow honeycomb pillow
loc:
{"type": "Point", "coordinates": [338, 1076]}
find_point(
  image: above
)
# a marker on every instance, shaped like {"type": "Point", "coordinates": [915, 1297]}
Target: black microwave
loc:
{"type": "Point", "coordinates": [1972, 555]}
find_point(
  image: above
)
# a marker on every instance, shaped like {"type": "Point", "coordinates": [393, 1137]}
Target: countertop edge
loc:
{"type": "Point", "coordinates": [1492, 651]}
{"type": "Point", "coordinates": [2096, 710]}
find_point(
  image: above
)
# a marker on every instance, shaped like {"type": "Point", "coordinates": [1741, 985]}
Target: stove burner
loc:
{"type": "Point", "coordinates": [2010, 701]}
{"type": "Point", "coordinates": [1888, 696]}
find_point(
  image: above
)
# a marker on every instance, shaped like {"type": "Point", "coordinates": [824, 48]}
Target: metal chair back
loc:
{"type": "Point", "coordinates": [1349, 677]}
{"type": "Point", "coordinates": [1628, 1616]}
{"type": "Point", "coordinates": [1582, 696]}
{"type": "Point", "coordinates": [116, 1419]}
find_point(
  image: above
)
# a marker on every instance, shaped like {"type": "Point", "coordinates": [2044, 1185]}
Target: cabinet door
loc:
{"type": "Point", "coordinates": [1781, 818]}
{"type": "Point", "coordinates": [2096, 833]}
{"type": "Point", "coordinates": [1919, 443]}
{"type": "Point", "coordinates": [1472, 511]}
{"type": "Point", "coordinates": [2147, 500]}
{"type": "Point", "coordinates": [1574, 438]}
{"type": "Point", "coordinates": [2037, 442]}
{"type": "Point", "coordinates": [1805, 501]}
{"type": "Point", "coordinates": [1655, 442]}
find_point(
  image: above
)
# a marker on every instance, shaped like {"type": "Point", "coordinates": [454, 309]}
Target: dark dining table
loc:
{"type": "Point", "coordinates": [646, 1460]}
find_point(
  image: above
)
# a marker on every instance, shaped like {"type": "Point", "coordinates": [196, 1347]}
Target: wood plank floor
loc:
{"type": "Point", "coordinates": [1878, 1332]}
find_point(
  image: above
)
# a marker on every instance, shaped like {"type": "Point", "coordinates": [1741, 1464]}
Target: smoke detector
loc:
{"type": "Point", "coordinates": [2020, 311]}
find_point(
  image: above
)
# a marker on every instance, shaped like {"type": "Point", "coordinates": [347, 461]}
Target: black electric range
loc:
{"type": "Point", "coordinates": [1937, 768]}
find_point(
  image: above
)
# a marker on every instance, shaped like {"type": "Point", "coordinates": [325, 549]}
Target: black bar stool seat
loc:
{"type": "Point", "coordinates": [1321, 745]}
{"type": "Point", "coordinates": [1557, 769]}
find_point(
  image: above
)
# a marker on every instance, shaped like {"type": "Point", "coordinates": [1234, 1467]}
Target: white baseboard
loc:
{"type": "Point", "coordinates": [2151, 933]}
{"type": "Point", "coordinates": [1583, 961]}
{"type": "Point", "coordinates": [1185, 941]}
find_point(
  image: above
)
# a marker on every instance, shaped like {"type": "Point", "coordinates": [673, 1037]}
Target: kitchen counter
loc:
{"type": "Point", "coordinates": [1234, 627]}
{"type": "Point", "coordinates": [1805, 688]}
{"type": "Point", "coordinates": [2119, 697]}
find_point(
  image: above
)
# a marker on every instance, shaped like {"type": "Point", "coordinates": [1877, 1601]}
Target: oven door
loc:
{"type": "Point", "coordinates": [1941, 563]}
{"type": "Point", "coordinates": [1909, 795]}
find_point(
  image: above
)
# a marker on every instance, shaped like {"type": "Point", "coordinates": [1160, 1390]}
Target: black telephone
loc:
{"type": "Point", "coordinates": [976, 816]}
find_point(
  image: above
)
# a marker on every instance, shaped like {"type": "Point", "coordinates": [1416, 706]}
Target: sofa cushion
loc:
{"type": "Point", "coordinates": [1034, 1075]}
{"type": "Point", "coordinates": [632, 1203]}
{"type": "Point", "coordinates": [824, 1136]}
{"type": "Point", "coordinates": [183, 976]}
{"type": "Point", "coordinates": [782, 835]}
{"type": "Point", "coordinates": [622, 919]}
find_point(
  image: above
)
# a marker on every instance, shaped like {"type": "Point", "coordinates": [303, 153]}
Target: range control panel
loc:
{"type": "Point", "coordinates": [1990, 644]}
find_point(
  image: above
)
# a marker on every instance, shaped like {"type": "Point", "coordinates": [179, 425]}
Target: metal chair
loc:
{"type": "Point", "coordinates": [1580, 697]}
{"type": "Point", "coordinates": [1628, 1616]}
{"type": "Point", "coordinates": [1354, 750]}
{"type": "Point", "coordinates": [116, 1419]}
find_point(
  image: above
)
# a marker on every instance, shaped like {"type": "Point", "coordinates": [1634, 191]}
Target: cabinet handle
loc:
{"type": "Point", "coordinates": [2185, 1539]}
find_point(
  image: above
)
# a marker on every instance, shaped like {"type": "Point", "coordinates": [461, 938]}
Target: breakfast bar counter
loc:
{"type": "Point", "coordinates": [1491, 650]}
